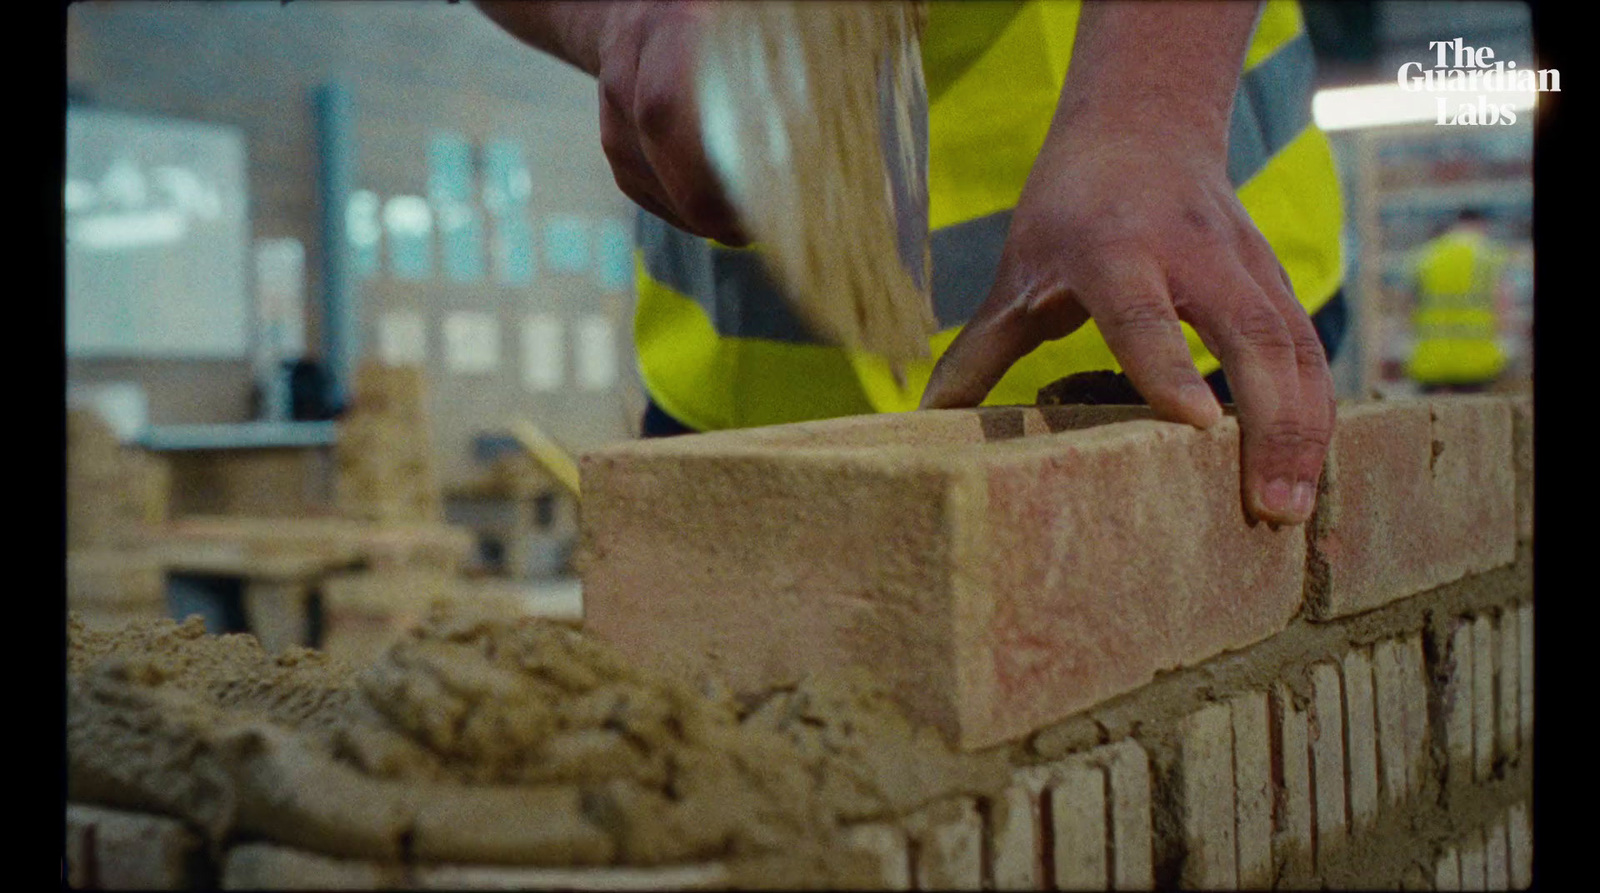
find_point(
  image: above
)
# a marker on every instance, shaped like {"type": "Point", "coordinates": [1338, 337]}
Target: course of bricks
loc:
{"type": "Point", "coordinates": [1187, 699]}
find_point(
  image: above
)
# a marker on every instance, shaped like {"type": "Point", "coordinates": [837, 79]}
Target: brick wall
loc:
{"type": "Point", "coordinates": [1345, 705]}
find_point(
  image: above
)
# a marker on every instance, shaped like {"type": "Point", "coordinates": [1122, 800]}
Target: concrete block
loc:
{"type": "Point", "coordinates": [1132, 843]}
{"type": "Point", "coordinates": [1447, 871]}
{"type": "Point", "coordinates": [889, 846]}
{"type": "Point", "coordinates": [1435, 475]}
{"type": "Point", "coordinates": [1506, 690]}
{"type": "Point", "coordinates": [1292, 825]}
{"type": "Point", "coordinates": [1361, 750]}
{"type": "Point", "coordinates": [1522, 456]}
{"type": "Point", "coordinates": [261, 866]}
{"type": "Point", "coordinates": [131, 851]}
{"type": "Point", "coordinates": [1473, 876]}
{"type": "Point", "coordinates": [948, 853]}
{"type": "Point", "coordinates": [1455, 702]}
{"type": "Point", "coordinates": [1206, 772]}
{"type": "Point", "coordinates": [1484, 653]}
{"type": "Point", "coordinates": [1253, 791]}
{"type": "Point", "coordinates": [1327, 759]}
{"type": "Point", "coordinates": [1078, 827]}
{"type": "Point", "coordinates": [1015, 850]}
{"type": "Point", "coordinates": [1496, 858]}
{"type": "Point", "coordinates": [505, 877]}
{"type": "Point", "coordinates": [1525, 674]}
{"type": "Point", "coordinates": [1519, 846]}
{"type": "Point", "coordinates": [1000, 568]}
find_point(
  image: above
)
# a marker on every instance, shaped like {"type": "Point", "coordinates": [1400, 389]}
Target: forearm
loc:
{"type": "Point", "coordinates": [1161, 63]}
{"type": "Point", "coordinates": [569, 31]}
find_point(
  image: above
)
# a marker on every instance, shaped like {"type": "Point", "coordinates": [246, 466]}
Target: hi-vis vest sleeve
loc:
{"type": "Point", "coordinates": [719, 348]}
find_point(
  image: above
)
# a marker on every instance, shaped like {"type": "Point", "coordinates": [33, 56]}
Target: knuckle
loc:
{"type": "Point", "coordinates": [1261, 326]}
{"type": "Point", "coordinates": [654, 111]}
{"type": "Point", "coordinates": [1289, 437]}
{"type": "Point", "coordinates": [1139, 317]}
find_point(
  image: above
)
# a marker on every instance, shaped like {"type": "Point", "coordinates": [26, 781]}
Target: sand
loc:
{"type": "Point", "coordinates": [484, 740]}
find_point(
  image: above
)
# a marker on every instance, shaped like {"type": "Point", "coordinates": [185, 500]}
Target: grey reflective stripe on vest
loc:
{"type": "Point", "coordinates": [1271, 108]}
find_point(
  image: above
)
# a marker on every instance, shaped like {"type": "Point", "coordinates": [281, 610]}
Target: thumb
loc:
{"type": "Point", "coordinates": [1008, 326]}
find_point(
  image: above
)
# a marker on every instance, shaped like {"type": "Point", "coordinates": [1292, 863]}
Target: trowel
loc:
{"type": "Point", "coordinates": [814, 116]}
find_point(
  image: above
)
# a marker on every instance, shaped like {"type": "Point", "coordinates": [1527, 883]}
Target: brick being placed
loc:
{"type": "Point", "coordinates": [998, 568]}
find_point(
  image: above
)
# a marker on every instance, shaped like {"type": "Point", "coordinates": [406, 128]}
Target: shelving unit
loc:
{"type": "Point", "coordinates": [1404, 185]}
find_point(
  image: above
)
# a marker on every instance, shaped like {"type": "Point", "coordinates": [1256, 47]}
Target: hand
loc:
{"type": "Point", "coordinates": [643, 55]}
{"type": "Point", "coordinates": [650, 121]}
{"type": "Point", "coordinates": [1138, 227]}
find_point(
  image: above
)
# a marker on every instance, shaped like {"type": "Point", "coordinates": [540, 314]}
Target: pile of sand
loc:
{"type": "Point", "coordinates": [492, 741]}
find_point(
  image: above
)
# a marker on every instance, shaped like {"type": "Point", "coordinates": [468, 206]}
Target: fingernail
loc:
{"type": "Point", "coordinates": [1305, 497]}
{"type": "Point", "coordinates": [1278, 496]}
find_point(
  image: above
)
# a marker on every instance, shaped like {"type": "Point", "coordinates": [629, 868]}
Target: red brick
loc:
{"type": "Point", "coordinates": [1436, 476]}
{"type": "Point", "coordinates": [998, 577]}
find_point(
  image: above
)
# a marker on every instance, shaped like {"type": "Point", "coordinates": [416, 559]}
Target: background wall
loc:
{"type": "Point", "coordinates": [414, 72]}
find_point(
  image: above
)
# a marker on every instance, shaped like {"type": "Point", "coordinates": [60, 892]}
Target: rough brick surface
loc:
{"type": "Point", "coordinates": [1484, 653]}
{"type": "Point", "coordinates": [1505, 680]}
{"type": "Point", "coordinates": [1252, 780]}
{"type": "Point", "coordinates": [1361, 745]}
{"type": "Point", "coordinates": [1327, 759]}
{"type": "Point", "coordinates": [1522, 455]}
{"type": "Point", "coordinates": [888, 846]}
{"type": "Point", "coordinates": [1292, 812]}
{"type": "Point", "coordinates": [949, 846]}
{"type": "Point", "coordinates": [1519, 846]}
{"type": "Point", "coordinates": [1132, 843]}
{"type": "Point", "coordinates": [1206, 772]}
{"type": "Point", "coordinates": [259, 866]}
{"type": "Point", "coordinates": [1078, 819]}
{"type": "Point", "coordinates": [1473, 876]}
{"type": "Point", "coordinates": [1435, 475]}
{"type": "Point", "coordinates": [997, 580]}
{"type": "Point", "coordinates": [1391, 699]}
{"type": "Point", "coordinates": [1447, 872]}
{"type": "Point", "coordinates": [126, 851]}
{"type": "Point", "coordinates": [1525, 675]}
{"type": "Point", "coordinates": [1014, 848]}
{"type": "Point", "coordinates": [1496, 861]}
{"type": "Point", "coordinates": [496, 877]}
{"type": "Point", "coordinates": [1455, 702]}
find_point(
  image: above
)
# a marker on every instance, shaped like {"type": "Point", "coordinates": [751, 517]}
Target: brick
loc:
{"type": "Point", "coordinates": [1252, 781]}
{"type": "Point", "coordinates": [1506, 689]}
{"type": "Point", "coordinates": [888, 845]}
{"type": "Point", "coordinates": [1484, 653]}
{"type": "Point", "coordinates": [949, 846]}
{"type": "Point", "coordinates": [1496, 863]}
{"type": "Point", "coordinates": [79, 868]}
{"type": "Point", "coordinates": [1327, 759]}
{"type": "Point", "coordinates": [260, 866]}
{"type": "Point", "coordinates": [1414, 677]}
{"type": "Point", "coordinates": [132, 851]}
{"type": "Point", "coordinates": [499, 877]}
{"type": "Point", "coordinates": [1525, 675]}
{"type": "Point", "coordinates": [1472, 862]}
{"type": "Point", "coordinates": [1132, 843]}
{"type": "Point", "coordinates": [1292, 822]}
{"type": "Point", "coordinates": [1522, 457]}
{"type": "Point", "coordinates": [1391, 695]}
{"type": "Point", "coordinates": [1078, 827]}
{"type": "Point", "coordinates": [1206, 769]}
{"type": "Point", "coordinates": [1361, 751]}
{"type": "Point", "coordinates": [1447, 871]}
{"type": "Point", "coordinates": [998, 579]}
{"type": "Point", "coordinates": [1456, 702]}
{"type": "Point", "coordinates": [1435, 475]}
{"type": "Point", "coordinates": [1015, 843]}
{"type": "Point", "coordinates": [1519, 846]}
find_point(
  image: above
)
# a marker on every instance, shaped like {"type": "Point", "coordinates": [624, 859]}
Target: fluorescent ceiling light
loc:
{"type": "Point", "coordinates": [1376, 105]}
{"type": "Point", "coordinates": [118, 231]}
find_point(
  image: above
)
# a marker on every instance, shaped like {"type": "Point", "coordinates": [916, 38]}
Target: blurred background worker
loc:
{"type": "Point", "coordinates": [1171, 175]}
{"type": "Point", "coordinates": [1460, 288]}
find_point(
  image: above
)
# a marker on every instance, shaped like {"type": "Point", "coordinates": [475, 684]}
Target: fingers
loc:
{"type": "Point", "coordinates": [1128, 297]}
{"type": "Point", "coordinates": [1278, 373]}
{"type": "Point", "coordinates": [1002, 332]}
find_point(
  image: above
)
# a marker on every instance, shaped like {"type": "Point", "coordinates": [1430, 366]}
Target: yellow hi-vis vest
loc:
{"type": "Point", "coordinates": [719, 348]}
{"type": "Point", "coordinates": [1455, 323]}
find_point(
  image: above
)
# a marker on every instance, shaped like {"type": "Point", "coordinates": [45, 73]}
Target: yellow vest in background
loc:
{"type": "Point", "coordinates": [718, 347]}
{"type": "Point", "coordinates": [1455, 322]}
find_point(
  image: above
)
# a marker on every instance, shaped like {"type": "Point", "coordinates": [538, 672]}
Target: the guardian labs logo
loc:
{"type": "Point", "coordinates": [1461, 69]}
